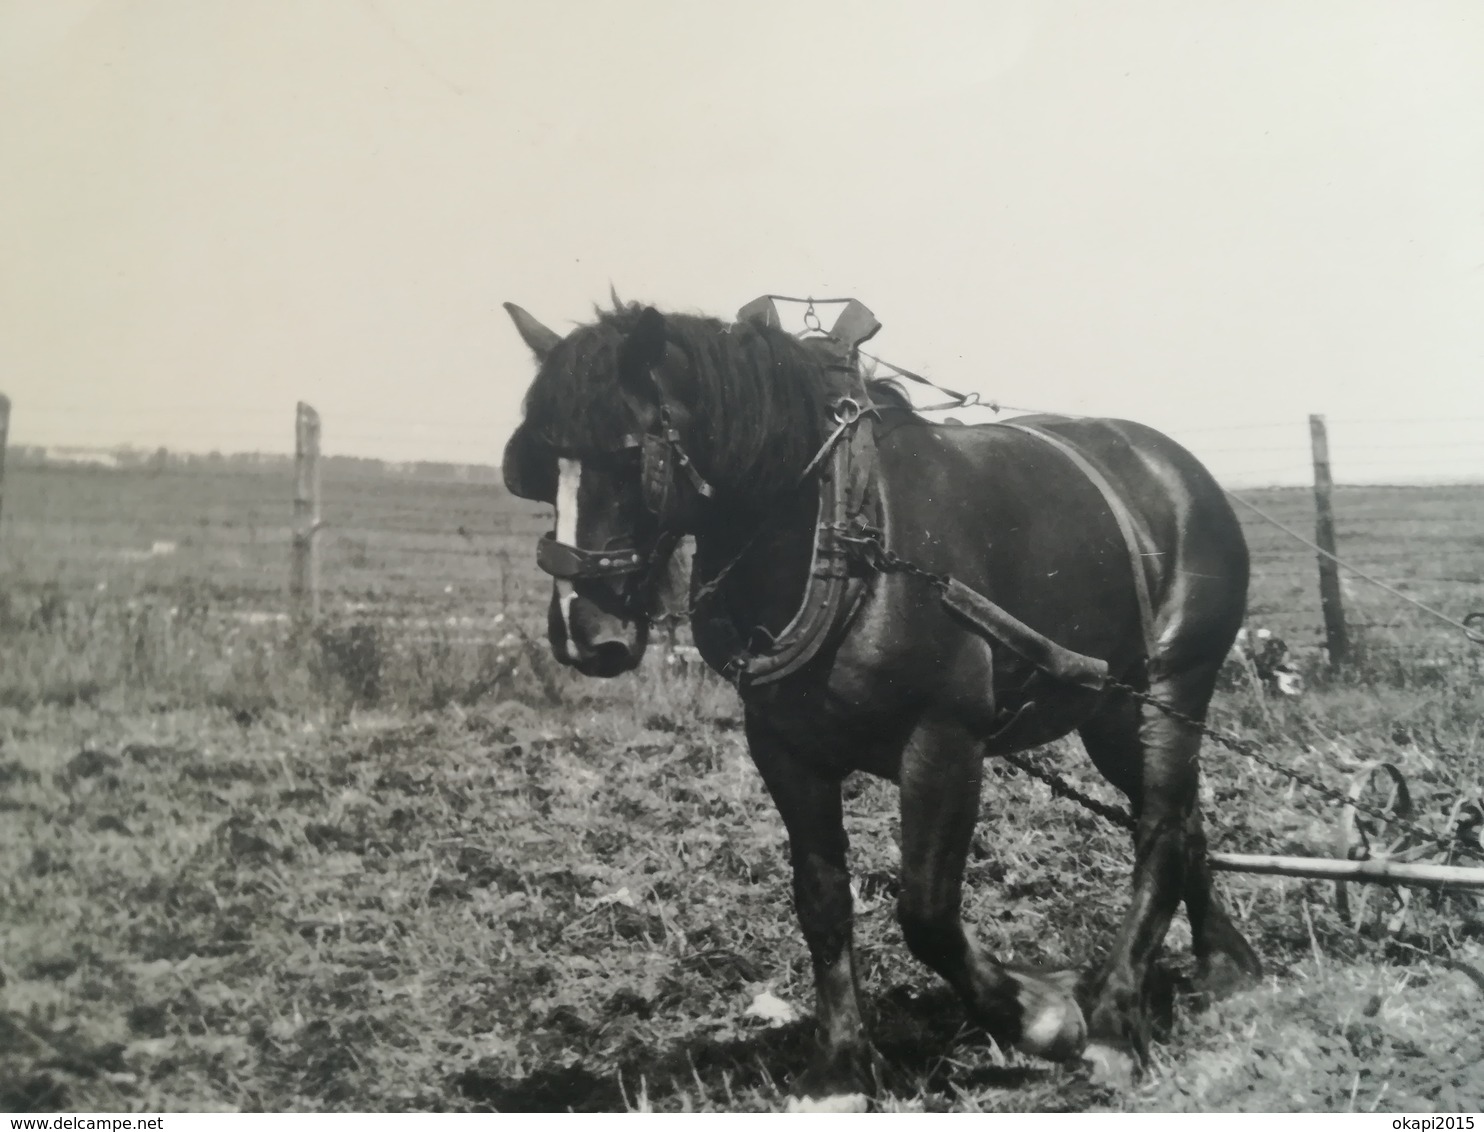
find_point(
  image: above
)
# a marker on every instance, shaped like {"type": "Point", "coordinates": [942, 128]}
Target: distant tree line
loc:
{"type": "Point", "coordinates": [131, 458]}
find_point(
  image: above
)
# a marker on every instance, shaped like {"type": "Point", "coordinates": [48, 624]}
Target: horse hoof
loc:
{"type": "Point", "coordinates": [1052, 1025]}
{"type": "Point", "coordinates": [839, 1080]}
{"type": "Point", "coordinates": [1110, 1066]}
{"type": "Point", "coordinates": [840, 1102]}
{"type": "Point", "coordinates": [1222, 975]}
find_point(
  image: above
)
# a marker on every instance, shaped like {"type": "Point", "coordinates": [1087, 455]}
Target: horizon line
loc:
{"type": "Point", "coordinates": [24, 456]}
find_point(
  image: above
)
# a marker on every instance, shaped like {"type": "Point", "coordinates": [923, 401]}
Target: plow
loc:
{"type": "Point", "coordinates": [1383, 849]}
{"type": "Point", "coordinates": [1384, 852]}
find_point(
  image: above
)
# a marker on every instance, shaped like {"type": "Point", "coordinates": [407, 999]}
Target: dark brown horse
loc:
{"type": "Point", "coordinates": [641, 427]}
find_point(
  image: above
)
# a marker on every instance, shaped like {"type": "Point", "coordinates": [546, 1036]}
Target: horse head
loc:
{"type": "Point", "coordinates": [605, 441]}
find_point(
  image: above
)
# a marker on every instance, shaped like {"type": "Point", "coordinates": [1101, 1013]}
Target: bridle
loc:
{"type": "Point", "coordinates": [662, 460]}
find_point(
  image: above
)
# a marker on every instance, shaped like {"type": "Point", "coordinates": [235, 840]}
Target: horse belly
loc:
{"type": "Point", "coordinates": [843, 716]}
{"type": "Point", "coordinates": [1038, 716]}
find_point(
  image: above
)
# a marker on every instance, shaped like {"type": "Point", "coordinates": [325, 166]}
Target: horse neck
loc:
{"type": "Point", "coordinates": [760, 529]}
{"type": "Point", "coordinates": [765, 549]}
{"type": "Point", "coordinates": [754, 427]}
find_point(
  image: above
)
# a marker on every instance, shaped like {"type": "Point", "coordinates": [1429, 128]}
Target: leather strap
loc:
{"type": "Point", "coordinates": [1127, 525]}
{"type": "Point", "coordinates": [843, 495]}
{"type": "Point", "coordinates": [996, 624]}
{"type": "Point", "coordinates": [572, 562]}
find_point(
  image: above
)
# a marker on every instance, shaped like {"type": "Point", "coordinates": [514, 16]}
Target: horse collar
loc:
{"type": "Point", "coordinates": [845, 490]}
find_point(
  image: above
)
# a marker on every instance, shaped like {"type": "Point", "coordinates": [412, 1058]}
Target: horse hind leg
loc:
{"type": "Point", "coordinates": [940, 781]}
{"type": "Point", "coordinates": [1155, 760]}
{"type": "Point", "coordinates": [1224, 959]}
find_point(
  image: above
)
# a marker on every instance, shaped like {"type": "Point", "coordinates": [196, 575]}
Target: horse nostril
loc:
{"type": "Point", "coordinates": [612, 656]}
{"type": "Point", "coordinates": [606, 659]}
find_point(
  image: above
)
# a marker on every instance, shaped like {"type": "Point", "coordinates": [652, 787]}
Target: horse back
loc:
{"type": "Point", "coordinates": [1013, 516]}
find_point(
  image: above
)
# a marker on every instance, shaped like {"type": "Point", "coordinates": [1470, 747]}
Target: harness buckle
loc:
{"type": "Point", "coordinates": [861, 541]}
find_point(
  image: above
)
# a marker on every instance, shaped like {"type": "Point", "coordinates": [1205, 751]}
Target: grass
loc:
{"type": "Point", "coordinates": [403, 863]}
{"type": "Point", "coordinates": [171, 651]}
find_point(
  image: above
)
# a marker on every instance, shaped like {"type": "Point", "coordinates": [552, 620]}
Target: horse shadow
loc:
{"type": "Point", "coordinates": [929, 1050]}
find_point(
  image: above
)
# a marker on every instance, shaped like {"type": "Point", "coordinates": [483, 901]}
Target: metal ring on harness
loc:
{"type": "Point", "coordinates": [846, 411]}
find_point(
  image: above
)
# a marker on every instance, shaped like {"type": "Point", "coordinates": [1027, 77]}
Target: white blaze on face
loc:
{"type": "Point", "coordinates": [569, 479]}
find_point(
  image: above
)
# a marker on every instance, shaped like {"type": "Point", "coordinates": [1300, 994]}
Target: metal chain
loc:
{"type": "Point", "coordinates": [887, 561]}
{"type": "Point", "coordinates": [869, 545]}
{"type": "Point", "coordinates": [1064, 789]}
{"type": "Point", "coordinates": [1248, 749]}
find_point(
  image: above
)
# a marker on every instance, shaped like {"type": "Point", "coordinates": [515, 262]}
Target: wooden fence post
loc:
{"type": "Point", "coordinates": [1336, 636]}
{"type": "Point", "coordinates": [4, 436]}
{"type": "Point", "coordinates": [304, 578]}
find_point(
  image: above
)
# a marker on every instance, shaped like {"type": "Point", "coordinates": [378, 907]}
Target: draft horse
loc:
{"type": "Point", "coordinates": [803, 490]}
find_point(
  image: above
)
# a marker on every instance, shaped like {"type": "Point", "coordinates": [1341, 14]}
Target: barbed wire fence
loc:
{"type": "Point", "coordinates": [440, 543]}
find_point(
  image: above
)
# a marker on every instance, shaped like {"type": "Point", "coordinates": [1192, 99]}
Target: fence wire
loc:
{"type": "Point", "coordinates": [439, 535]}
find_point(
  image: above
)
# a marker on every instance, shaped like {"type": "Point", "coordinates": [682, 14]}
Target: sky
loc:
{"type": "Point", "coordinates": [1214, 217]}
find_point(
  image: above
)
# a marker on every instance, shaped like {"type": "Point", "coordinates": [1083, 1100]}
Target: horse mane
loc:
{"type": "Point", "coordinates": [761, 397]}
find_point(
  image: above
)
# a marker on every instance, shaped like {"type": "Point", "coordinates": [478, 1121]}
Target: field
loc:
{"type": "Point", "coordinates": [402, 861]}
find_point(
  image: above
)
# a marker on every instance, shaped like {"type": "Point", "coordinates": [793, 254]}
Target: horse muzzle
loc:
{"type": "Point", "coordinates": [593, 641]}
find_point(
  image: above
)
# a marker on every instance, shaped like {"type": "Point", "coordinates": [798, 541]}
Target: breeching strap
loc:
{"type": "Point", "coordinates": [1121, 515]}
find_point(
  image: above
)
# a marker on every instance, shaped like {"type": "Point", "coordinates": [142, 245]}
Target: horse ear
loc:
{"type": "Point", "coordinates": [541, 340]}
{"type": "Point", "coordinates": [642, 363]}
{"type": "Point", "coordinates": [645, 345]}
{"type": "Point", "coordinates": [642, 360]}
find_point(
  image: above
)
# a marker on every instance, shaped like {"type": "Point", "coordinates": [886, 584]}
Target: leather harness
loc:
{"type": "Point", "coordinates": [846, 497]}
{"type": "Point", "coordinates": [846, 543]}
{"type": "Point", "coordinates": [842, 530]}
{"type": "Point", "coordinates": [1128, 524]}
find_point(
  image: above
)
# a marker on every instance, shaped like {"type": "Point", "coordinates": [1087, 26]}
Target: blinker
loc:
{"type": "Point", "coordinates": [571, 563]}
{"type": "Point", "coordinates": [529, 469]}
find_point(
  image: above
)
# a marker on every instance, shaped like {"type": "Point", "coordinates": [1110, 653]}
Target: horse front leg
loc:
{"type": "Point", "coordinates": [940, 780]}
{"type": "Point", "coordinates": [841, 1074]}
